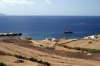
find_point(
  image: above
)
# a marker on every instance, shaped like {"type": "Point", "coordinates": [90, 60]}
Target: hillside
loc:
{"type": "Point", "coordinates": [1, 14]}
{"type": "Point", "coordinates": [47, 51]}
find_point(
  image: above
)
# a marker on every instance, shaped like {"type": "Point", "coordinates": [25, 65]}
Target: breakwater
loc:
{"type": "Point", "coordinates": [10, 34]}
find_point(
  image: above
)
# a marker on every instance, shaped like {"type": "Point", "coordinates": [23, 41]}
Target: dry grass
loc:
{"type": "Point", "coordinates": [55, 57]}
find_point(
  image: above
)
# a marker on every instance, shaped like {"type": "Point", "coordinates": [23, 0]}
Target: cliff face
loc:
{"type": "Point", "coordinates": [1, 14]}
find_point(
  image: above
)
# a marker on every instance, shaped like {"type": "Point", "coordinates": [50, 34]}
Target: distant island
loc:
{"type": "Point", "coordinates": [1, 14]}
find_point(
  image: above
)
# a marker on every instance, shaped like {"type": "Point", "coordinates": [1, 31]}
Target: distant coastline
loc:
{"type": "Point", "coordinates": [1, 14]}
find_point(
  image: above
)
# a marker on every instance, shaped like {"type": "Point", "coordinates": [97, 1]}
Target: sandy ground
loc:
{"type": "Point", "coordinates": [55, 57]}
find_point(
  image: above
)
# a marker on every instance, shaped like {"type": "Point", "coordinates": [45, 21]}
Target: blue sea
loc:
{"type": "Point", "coordinates": [41, 27]}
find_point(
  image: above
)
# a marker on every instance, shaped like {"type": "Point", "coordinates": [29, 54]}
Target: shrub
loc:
{"type": "Point", "coordinates": [94, 51]}
{"type": "Point", "coordinates": [2, 64]}
{"type": "Point", "coordinates": [41, 45]}
{"type": "Point", "coordinates": [19, 56]}
{"type": "Point", "coordinates": [33, 60]}
{"type": "Point", "coordinates": [46, 63]}
{"type": "Point", "coordinates": [77, 48]}
{"type": "Point", "coordinates": [82, 49]}
{"type": "Point", "coordinates": [65, 46]}
{"type": "Point", "coordinates": [40, 61]}
{"type": "Point", "coordinates": [70, 47]}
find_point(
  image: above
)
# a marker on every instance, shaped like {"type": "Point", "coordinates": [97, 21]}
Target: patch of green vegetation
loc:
{"type": "Point", "coordinates": [82, 49]}
{"type": "Point", "coordinates": [77, 48]}
{"type": "Point", "coordinates": [19, 56]}
{"type": "Point", "coordinates": [2, 64]}
{"type": "Point", "coordinates": [39, 61]}
{"type": "Point", "coordinates": [41, 45]}
{"type": "Point", "coordinates": [33, 60]}
{"type": "Point", "coordinates": [65, 46]}
{"type": "Point", "coordinates": [94, 50]}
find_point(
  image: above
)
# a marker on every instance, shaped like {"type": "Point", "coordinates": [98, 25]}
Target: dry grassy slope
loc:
{"type": "Point", "coordinates": [55, 60]}
{"type": "Point", "coordinates": [85, 43]}
{"type": "Point", "coordinates": [10, 61]}
{"type": "Point", "coordinates": [14, 49]}
{"type": "Point", "coordinates": [47, 43]}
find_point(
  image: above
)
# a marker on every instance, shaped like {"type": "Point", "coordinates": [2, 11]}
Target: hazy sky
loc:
{"type": "Point", "coordinates": [51, 7]}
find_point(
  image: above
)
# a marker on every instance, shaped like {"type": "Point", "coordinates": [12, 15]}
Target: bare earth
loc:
{"type": "Point", "coordinates": [59, 56]}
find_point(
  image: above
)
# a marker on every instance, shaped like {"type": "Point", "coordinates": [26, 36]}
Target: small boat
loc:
{"type": "Point", "coordinates": [69, 32]}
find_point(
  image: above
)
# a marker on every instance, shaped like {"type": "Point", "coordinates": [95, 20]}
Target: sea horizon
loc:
{"type": "Point", "coordinates": [57, 15]}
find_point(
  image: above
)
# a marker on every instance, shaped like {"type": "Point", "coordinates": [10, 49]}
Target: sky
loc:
{"type": "Point", "coordinates": [51, 7]}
